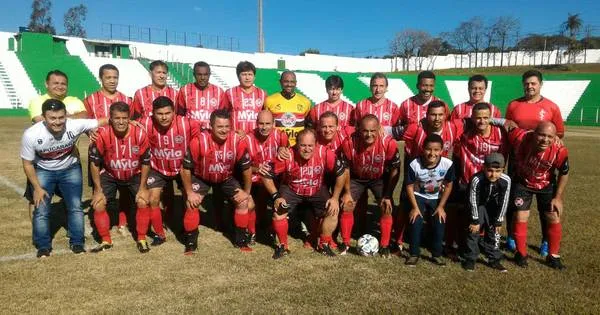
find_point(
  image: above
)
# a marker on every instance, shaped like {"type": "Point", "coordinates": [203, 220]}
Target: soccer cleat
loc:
{"type": "Point", "coordinates": [142, 246]}
{"type": "Point", "coordinates": [468, 265]}
{"type": "Point", "coordinates": [191, 243]}
{"type": "Point", "coordinates": [326, 250]}
{"type": "Point", "coordinates": [280, 251]}
{"type": "Point", "coordinates": [77, 249]}
{"type": "Point", "coordinates": [385, 252]}
{"type": "Point", "coordinates": [555, 263]}
{"type": "Point", "coordinates": [122, 230]}
{"type": "Point", "coordinates": [521, 261]}
{"type": "Point", "coordinates": [544, 249]}
{"type": "Point", "coordinates": [43, 253]}
{"type": "Point", "coordinates": [511, 245]}
{"type": "Point", "coordinates": [495, 264]}
{"type": "Point", "coordinates": [157, 240]}
{"type": "Point", "coordinates": [343, 249]}
{"type": "Point", "coordinates": [102, 247]}
{"type": "Point", "coordinates": [252, 240]}
{"type": "Point", "coordinates": [438, 261]}
{"type": "Point", "coordinates": [412, 261]}
{"type": "Point", "coordinates": [242, 239]}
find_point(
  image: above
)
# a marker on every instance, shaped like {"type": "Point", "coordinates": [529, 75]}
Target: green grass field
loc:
{"type": "Point", "coordinates": [221, 279]}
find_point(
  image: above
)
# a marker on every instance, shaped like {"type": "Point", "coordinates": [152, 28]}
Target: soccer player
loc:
{"type": "Point", "coordinates": [199, 99]}
{"type": "Point", "coordinates": [538, 157]}
{"type": "Point", "coordinates": [246, 100]}
{"type": "Point", "coordinates": [169, 138]}
{"type": "Point", "coordinates": [263, 144]}
{"type": "Point", "coordinates": [289, 108]}
{"type": "Point", "coordinates": [386, 111]}
{"type": "Point", "coordinates": [334, 85]}
{"type": "Point", "coordinates": [374, 163]}
{"type": "Point", "coordinates": [477, 87]}
{"type": "Point", "coordinates": [414, 108]}
{"type": "Point", "coordinates": [330, 134]}
{"type": "Point", "coordinates": [428, 176]}
{"type": "Point", "coordinates": [489, 192]}
{"type": "Point", "coordinates": [57, 86]}
{"type": "Point", "coordinates": [210, 162]}
{"type": "Point", "coordinates": [120, 158]}
{"type": "Point", "coordinates": [143, 98]}
{"type": "Point", "coordinates": [304, 181]}
{"type": "Point", "coordinates": [49, 164]}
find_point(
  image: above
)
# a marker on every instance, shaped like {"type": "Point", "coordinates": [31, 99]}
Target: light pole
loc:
{"type": "Point", "coordinates": [261, 39]}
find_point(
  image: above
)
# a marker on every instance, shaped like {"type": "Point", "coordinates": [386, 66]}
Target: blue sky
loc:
{"type": "Point", "coordinates": [351, 27]}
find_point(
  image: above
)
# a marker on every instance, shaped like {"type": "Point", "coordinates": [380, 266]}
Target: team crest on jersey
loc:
{"type": "Point", "coordinates": [442, 173]}
{"type": "Point", "coordinates": [342, 116]}
{"type": "Point", "coordinates": [213, 102]}
{"type": "Point", "coordinates": [39, 141]}
{"type": "Point", "coordinates": [229, 155]}
{"type": "Point", "coordinates": [378, 159]}
{"type": "Point", "coordinates": [150, 180]}
{"type": "Point", "coordinates": [195, 187]}
{"type": "Point", "coordinates": [542, 114]}
{"type": "Point", "coordinates": [386, 116]}
{"type": "Point", "coordinates": [288, 120]}
{"type": "Point", "coordinates": [179, 139]}
{"type": "Point", "coordinates": [258, 102]}
{"type": "Point", "coordinates": [135, 149]}
{"type": "Point", "coordinates": [300, 107]}
{"type": "Point", "coordinates": [318, 170]}
{"type": "Point", "coordinates": [519, 202]}
{"type": "Point", "coordinates": [447, 146]}
{"type": "Point", "coordinates": [278, 107]}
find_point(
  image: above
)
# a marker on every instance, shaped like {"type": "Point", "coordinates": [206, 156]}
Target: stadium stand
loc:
{"type": "Point", "coordinates": [313, 86]}
{"type": "Point", "coordinates": [132, 75]}
{"type": "Point", "coordinates": [21, 82]}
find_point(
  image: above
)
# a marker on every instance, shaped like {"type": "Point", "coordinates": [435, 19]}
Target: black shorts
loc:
{"type": "Point", "coordinates": [110, 185]}
{"type": "Point", "coordinates": [159, 180]}
{"type": "Point", "coordinates": [317, 202]}
{"type": "Point", "coordinates": [228, 187]}
{"type": "Point", "coordinates": [359, 186]}
{"type": "Point", "coordinates": [523, 196]}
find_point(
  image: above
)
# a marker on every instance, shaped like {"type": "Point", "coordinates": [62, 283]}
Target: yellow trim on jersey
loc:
{"type": "Point", "coordinates": [73, 104]}
{"type": "Point", "coordinates": [287, 113]}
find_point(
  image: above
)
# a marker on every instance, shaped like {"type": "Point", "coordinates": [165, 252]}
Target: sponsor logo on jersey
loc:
{"type": "Point", "coordinates": [167, 153]}
{"type": "Point", "coordinates": [124, 164]}
{"type": "Point", "coordinates": [542, 114]}
{"type": "Point", "coordinates": [218, 168]}
{"type": "Point", "coordinates": [201, 115]}
{"type": "Point", "coordinates": [300, 107]}
{"type": "Point", "coordinates": [248, 115]}
{"type": "Point", "coordinates": [288, 119]}
{"type": "Point", "coordinates": [40, 141]}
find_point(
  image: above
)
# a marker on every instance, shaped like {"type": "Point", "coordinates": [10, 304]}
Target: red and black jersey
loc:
{"type": "Point", "coordinates": [264, 151]}
{"type": "Point", "coordinates": [121, 158]}
{"type": "Point", "coordinates": [97, 104]}
{"type": "Point", "coordinates": [244, 107]}
{"type": "Point", "coordinates": [465, 110]}
{"type": "Point", "coordinates": [473, 148]}
{"type": "Point", "coordinates": [335, 144]}
{"type": "Point", "coordinates": [197, 104]}
{"type": "Point", "coordinates": [412, 110]}
{"type": "Point", "coordinates": [415, 134]}
{"type": "Point", "coordinates": [370, 162]}
{"type": "Point", "coordinates": [386, 111]}
{"type": "Point", "coordinates": [215, 162]}
{"type": "Point", "coordinates": [143, 98]}
{"type": "Point", "coordinates": [535, 169]}
{"type": "Point", "coordinates": [343, 110]}
{"type": "Point", "coordinates": [168, 147]}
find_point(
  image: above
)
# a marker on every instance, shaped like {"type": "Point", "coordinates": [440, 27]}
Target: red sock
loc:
{"type": "Point", "coordinates": [520, 233]}
{"type": "Point", "coordinates": [142, 218]}
{"type": "Point", "coordinates": [281, 229]}
{"type": "Point", "coordinates": [191, 220]}
{"type": "Point", "coordinates": [554, 232]}
{"type": "Point", "coordinates": [240, 219]}
{"type": "Point", "coordinates": [122, 218]}
{"type": "Point", "coordinates": [346, 223]}
{"type": "Point", "coordinates": [252, 222]}
{"type": "Point", "coordinates": [386, 223]}
{"type": "Point", "coordinates": [157, 222]}
{"type": "Point", "coordinates": [400, 225]}
{"type": "Point", "coordinates": [102, 222]}
{"type": "Point", "coordinates": [325, 239]}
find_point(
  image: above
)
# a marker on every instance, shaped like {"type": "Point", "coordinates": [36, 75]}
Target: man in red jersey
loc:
{"type": "Point", "coordinates": [246, 100]}
{"type": "Point", "coordinates": [374, 163]}
{"type": "Point", "coordinates": [477, 87]}
{"type": "Point", "coordinates": [330, 134]}
{"type": "Point", "coordinates": [262, 145]}
{"type": "Point", "coordinates": [169, 138]}
{"type": "Point", "coordinates": [303, 180]}
{"type": "Point", "coordinates": [386, 111]}
{"type": "Point", "coordinates": [199, 99]}
{"type": "Point", "coordinates": [538, 156]}
{"type": "Point", "coordinates": [210, 162]}
{"type": "Point", "coordinates": [414, 108]}
{"type": "Point", "coordinates": [143, 98]}
{"type": "Point", "coordinates": [334, 85]}
{"type": "Point", "coordinates": [121, 158]}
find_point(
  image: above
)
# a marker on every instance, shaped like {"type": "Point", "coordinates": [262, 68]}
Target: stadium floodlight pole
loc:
{"type": "Point", "coordinates": [261, 39]}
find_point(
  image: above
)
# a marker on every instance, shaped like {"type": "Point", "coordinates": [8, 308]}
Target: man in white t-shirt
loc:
{"type": "Point", "coordinates": [50, 163]}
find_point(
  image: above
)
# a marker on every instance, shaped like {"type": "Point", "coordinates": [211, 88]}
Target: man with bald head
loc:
{"type": "Point", "coordinates": [538, 158]}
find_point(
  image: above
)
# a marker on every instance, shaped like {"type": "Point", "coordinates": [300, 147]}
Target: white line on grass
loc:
{"type": "Point", "coordinates": [6, 182]}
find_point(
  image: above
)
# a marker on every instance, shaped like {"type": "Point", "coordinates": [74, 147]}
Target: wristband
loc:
{"type": "Point", "coordinates": [275, 196]}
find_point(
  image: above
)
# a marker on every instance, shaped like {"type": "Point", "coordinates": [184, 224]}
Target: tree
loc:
{"type": "Point", "coordinates": [407, 43]}
{"type": "Point", "coordinates": [430, 49]}
{"type": "Point", "coordinates": [74, 19]}
{"type": "Point", "coordinates": [505, 27]}
{"type": "Point", "coordinates": [313, 51]}
{"type": "Point", "coordinates": [572, 26]}
{"type": "Point", "coordinates": [41, 20]}
{"type": "Point", "coordinates": [471, 33]}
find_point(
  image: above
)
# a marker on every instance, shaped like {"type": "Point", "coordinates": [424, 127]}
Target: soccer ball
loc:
{"type": "Point", "coordinates": [367, 245]}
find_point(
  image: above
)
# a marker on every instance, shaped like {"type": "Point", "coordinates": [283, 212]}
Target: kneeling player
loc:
{"type": "Point", "coordinates": [210, 162]}
{"type": "Point", "coordinates": [428, 175]}
{"type": "Point", "coordinates": [120, 158]}
{"type": "Point", "coordinates": [303, 180]}
{"type": "Point", "coordinates": [488, 195]}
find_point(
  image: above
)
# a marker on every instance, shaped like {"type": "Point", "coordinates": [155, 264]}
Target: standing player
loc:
{"type": "Point", "coordinates": [143, 98]}
{"type": "Point", "coordinates": [414, 108]}
{"type": "Point", "coordinates": [334, 85]}
{"type": "Point", "coordinates": [49, 164]}
{"type": "Point", "coordinates": [121, 158]}
{"type": "Point", "coordinates": [386, 111]}
{"type": "Point", "coordinates": [304, 181]}
{"type": "Point", "coordinates": [330, 134]}
{"type": "Point", "coordinates": [210, 162]}
{"type": "Point", "coordinates": [57, 86]}
{"type": "Point", "coordinates": [245, 101]}
{"type": "Point", "coordinates": [374, 163]}
{"type": "Point", "coordinates": [199, 99]}
{"type": "Point", "coordinates": [477, 87]}
{"type": "Point", "coordinates": [538, 156]}
{"type": "Point", "coordinates": [289, 108]}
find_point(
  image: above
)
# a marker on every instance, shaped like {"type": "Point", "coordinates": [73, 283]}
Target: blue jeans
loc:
{"type": "Point", "coordinates": [69, 183]}
{"type": "Point", "coordinates": [427, 208]}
